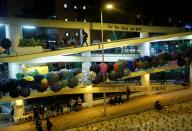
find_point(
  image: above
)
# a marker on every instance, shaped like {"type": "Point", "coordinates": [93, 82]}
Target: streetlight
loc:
{"type": "Point", "coordinates": [109, 7]}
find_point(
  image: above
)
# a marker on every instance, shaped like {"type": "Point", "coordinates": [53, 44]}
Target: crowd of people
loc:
{"type": "Point", "coordinates": [117, 99]}
{"type": "Point", "coordinates": [75, 105]}
{"type": "Point", "coordinates": [42, 112]}
{"type": "Point", "coordinates": [67, 41]}
{"type": "Point", "coordinates": [38, 124]}
{"type": "Point", "coordinates": [45, 112]}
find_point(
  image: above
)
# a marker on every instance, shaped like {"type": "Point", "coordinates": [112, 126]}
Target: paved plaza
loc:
{"type": "Point", "coordinates": [95, 114]}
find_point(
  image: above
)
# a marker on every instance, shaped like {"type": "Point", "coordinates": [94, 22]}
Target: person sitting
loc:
{"type": "Point", "coordinates": [112, 101]}
{"type": "Point", "coordinates": [115, 100]}
{"type": "Point", "coordinates": [119, 100]}
{"type": "Point", "coordinates": [158, 106]}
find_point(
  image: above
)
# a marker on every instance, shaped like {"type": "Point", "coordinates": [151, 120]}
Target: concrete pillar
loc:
{"type": "Point", "coordinates": [145, 48]}
{"type": "Point", "coordinates": [88, 98]}
{"type": "Point", "coordinates": [19, 108]}
{"type": "Point", "coordinates": [191, 73]}
{"type": "Point", "coordinates": [14, 68]}
{"type": "Point", "coordinates": [14, 33]}
{"type": "Point", "coordinates": [145, 51]}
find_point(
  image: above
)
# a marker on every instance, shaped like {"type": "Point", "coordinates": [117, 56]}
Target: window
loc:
{"type": "Point", "coordinates": [75, 7]}
{"type": "Point", "coordinates": [84, 7]}
{"type": "Point", "coordinates": [108, 40]}
{"type": "Point", "coordinates": [66, 34]}
{"type": "Point", "coordinates": [65, 6]}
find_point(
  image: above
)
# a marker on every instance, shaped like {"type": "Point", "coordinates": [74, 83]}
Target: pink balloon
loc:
{"type": "Point", "coordinates": [103, 68]}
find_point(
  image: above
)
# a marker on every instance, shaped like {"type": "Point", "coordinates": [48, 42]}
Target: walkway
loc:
{"type": "Point", "coordinates": [95, 114]}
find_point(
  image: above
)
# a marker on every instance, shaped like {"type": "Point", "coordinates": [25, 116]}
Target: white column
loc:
{"type": "Point", "coordinates": [19, 108]}
{"type": "Point", "coordinates": [190, 69]}
{"type": "Point", "coordinates": [191, 73]}
{"type": "Point", "coordinates": [145, 48]}
{"type": "Point", "coordinates": [145, 51]}
{"type": "Point", "coordinates": [14, 33]}
{"type": "Point", "coordinates": [88, 98]}
{"type": "Point", "coordinates": [14, 68]}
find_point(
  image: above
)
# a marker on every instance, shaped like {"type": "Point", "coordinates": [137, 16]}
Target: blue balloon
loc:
{"type": "Point", "coordinates": [131, 66]}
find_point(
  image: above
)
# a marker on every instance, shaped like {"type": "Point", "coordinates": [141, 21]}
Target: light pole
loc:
{"type": "Point", "coordinates": [109, 7]}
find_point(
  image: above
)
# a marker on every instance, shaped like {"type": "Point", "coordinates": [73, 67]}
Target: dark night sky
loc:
{"type": "Point", "coordinates": [157, 9]}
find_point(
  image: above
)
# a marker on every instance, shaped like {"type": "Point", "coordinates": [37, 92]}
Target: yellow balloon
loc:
{"type": "Point", "coordinates": [28, 78]}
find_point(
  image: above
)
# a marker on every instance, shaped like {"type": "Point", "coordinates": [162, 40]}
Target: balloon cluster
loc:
{"type": "Point", "coordinates": [55, 80]}
{"type": "Point", "coordinates": [115, 71]}
{"type": "Point", "coordinates": [98, 73]}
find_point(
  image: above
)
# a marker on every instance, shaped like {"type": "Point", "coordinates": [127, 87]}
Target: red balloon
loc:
{"type": "Point", "coordinates": [116, 67]}
{"type": "Point", "coordinates": [103, 68]}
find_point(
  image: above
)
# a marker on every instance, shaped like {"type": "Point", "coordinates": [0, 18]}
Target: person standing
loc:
{"type": "Point", "coordinates": [12, 113]}
{"type": "Point", "coordinates": [85, 36]}
{"type": "Point", "coordinates": [162, 77]}
{"type": "Point", "coordinates": [79, 103]}
{"type": "Point", "coordinates": [128, 93]}
{"type": "Point", "coordinates": [35, 112]}
{"type": "Point", "coordinates": [71, 104]}
{"type": "Point", "coordinates": [42, 111]}
{"type": "Point", "coordinates": [57, 41]}
{"type": "Point", "coordinates": [39, 125]}
{"type": "Point", "coordinates": [49, 124]}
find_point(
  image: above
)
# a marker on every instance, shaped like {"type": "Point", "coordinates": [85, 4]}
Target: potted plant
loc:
{"type": "Point", "coordinates": [29, 46]}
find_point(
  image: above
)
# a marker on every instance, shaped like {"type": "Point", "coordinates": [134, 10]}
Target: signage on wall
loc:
{"type": "Point", "coordinates": [124, 28]}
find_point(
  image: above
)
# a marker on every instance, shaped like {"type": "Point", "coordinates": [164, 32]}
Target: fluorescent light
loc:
{"type": "Point", "coordinates": [28, 27]}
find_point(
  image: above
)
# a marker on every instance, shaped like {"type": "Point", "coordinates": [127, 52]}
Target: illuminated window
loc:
{"type": "Point", "coordinates": [75, 7]}
{"type": "Point", "coordinates": [66, 34]}
{"type": "Point", "coordinates": [85, 20]}
{"type": "Point", "coordinates": [84, 7]}
{"type": "Point", "coordinates": [76, 34]}
{"type": "Point", "coordinates": [65, 6]}
{"type": "Point", "coordinates": [66, 19]}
